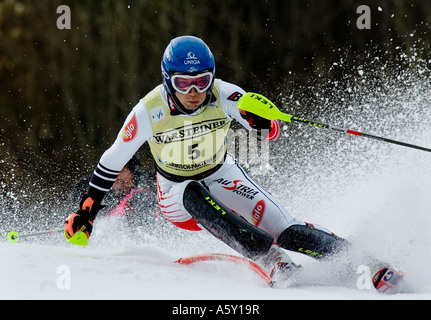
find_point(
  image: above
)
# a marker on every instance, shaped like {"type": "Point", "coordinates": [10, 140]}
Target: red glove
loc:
{"type": "Point", "coordinates": [255, 121]}
{"type": "Point", "coordinates": [260, 124]}
{"type": "Point", "coordinates": [82, 218]}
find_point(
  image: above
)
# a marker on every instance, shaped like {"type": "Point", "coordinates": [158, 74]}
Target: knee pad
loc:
{"type": "Point", "coordinates": [308, 240]}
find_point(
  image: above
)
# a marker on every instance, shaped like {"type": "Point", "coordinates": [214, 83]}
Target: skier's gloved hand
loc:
{"type": "Point", "coordinates": [82, 218]}
{"type": "Point", "coordinates": [255, 121]}
{"type": "Point", "coordinates": [271, 127]}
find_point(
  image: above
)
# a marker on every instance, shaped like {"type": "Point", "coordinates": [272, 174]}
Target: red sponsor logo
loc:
{"type": "Point", "coordinates": [238, 188]}
{"type": "Point", "coordinates": [130, 130]}
{"type": "Point", "coordinates": [171, 104]}
{"type": "Point", "coordinates": [258, 212]}
{"type": "Point", "coordinates": [235, 182]}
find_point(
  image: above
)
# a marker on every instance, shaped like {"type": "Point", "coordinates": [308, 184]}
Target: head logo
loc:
{"type": "Point", "coordinates": [258, 212]}
{"type": "Point", "coordinates": [165, 74]}
{"type": "Point", "coordinates": [193, 69]}
{"type": "Point", "coordinates": [130, 130]}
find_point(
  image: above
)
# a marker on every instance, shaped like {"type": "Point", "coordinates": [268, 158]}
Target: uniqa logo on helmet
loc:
{"type": "Point", "coordinates": [191, 59]}
{"type": "Point", "coordinates": [192, 62]}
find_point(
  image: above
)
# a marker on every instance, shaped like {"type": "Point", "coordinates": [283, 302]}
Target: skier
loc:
{"type": "Point", "coordinates": [185, 120]}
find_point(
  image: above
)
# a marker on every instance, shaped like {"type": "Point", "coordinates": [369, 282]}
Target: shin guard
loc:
{"type": "Point", "coordinates": [311, 241]}
{"type": "Point", "coordinates": [224, 224]}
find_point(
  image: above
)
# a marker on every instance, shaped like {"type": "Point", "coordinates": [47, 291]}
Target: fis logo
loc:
{"type": "Point", "coordinates": [130, 130]}
{"type": "Point", "coordinates": [157, 114]}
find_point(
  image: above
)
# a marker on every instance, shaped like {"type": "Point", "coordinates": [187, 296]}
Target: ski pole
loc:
{"type": "Point", "coordinates": [258, 104]}
{"type": "Point", "coordinates": [14, 236]}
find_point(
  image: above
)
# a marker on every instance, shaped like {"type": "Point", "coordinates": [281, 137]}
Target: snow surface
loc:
{"type": "Point", "coordinates": [140, 272]}
{"type": "Point", "coordinates": [127, 269]}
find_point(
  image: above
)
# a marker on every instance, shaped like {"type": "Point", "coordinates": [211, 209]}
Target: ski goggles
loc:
{"type": "Point", "coordinates": [184, 83]}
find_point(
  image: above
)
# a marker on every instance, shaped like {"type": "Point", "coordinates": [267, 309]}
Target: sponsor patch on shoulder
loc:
{"type": "Point", "coordinates": [130, 130]}
{"type": "Point", "coordinates": [235, 96]}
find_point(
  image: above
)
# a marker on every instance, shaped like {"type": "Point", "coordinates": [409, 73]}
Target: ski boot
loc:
{"type": "Point", "coordinates": [388, 280]}
{"type": "Point", "coordinates": [279, 265]}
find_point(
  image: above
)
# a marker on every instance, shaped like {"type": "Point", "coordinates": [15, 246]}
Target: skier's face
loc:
{"type": "Point", "coordinates": [192, 100]}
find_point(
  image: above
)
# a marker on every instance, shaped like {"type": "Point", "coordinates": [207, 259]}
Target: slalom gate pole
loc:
{"type": "Point", "coordinates": [261, 106]}
{"type": "Point", "coordinates": [357, 133]}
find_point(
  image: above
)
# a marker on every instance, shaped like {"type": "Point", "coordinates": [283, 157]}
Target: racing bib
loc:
{"type": "Point", "coordinates": [187, 145]}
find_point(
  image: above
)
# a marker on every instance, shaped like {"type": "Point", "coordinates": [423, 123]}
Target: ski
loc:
{"type": "Point", "coordinates": [230, 258]}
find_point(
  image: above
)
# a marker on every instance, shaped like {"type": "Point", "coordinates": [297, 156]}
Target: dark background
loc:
{"type": "Point", "coordinates": [64, 94]}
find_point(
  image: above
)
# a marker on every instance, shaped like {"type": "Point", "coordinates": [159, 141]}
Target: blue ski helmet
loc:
{"type": "Point", "coordinates": [187, 55]}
